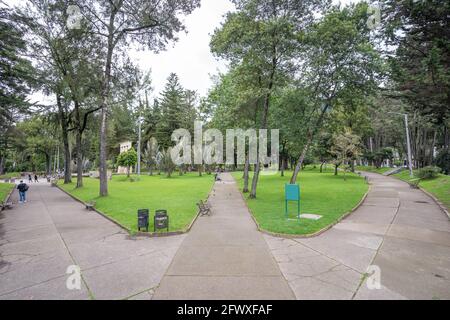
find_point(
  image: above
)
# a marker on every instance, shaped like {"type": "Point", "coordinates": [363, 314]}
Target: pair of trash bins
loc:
{"type": "Point", "coordinates": [161, 220]}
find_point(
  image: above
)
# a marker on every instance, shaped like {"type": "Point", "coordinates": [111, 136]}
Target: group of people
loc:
{"type": "Point", "coordinates": [30, 178]}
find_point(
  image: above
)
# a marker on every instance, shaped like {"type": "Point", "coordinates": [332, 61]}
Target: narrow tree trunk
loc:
{"type": "Point", "coordinates": [282, 166]}
{"type": "Point", "coordinates": [299, 164]}
{"type": "Point", "coordinates": [255, 180]}
{"type": "Point", "coordinates": [321, 167]}
{"type": "Point", "coordinates": [2, 166]}
{"type": "Point", "coordinates": [48, 161]}
{"type": "Point", "coordinates": [79, 160]}
{"type": "Point", "coordinates": [104, 107]}
{"type": "Point", "coordinates": [246, 168]}
{"type": "Point", "coordinates": [336, 166]}
{"type": "Point", "coordinates": [65, 138]}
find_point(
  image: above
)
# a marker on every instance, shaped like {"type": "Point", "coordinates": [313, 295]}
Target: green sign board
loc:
{"type": "Point", "coordinates": [292, 193]}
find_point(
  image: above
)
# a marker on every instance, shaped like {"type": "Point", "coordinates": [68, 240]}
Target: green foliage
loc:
{"type": "Point", "coordinates": [127, 159]}
{"type": "Point", "coordinates": [428, 172]}
{"type": "Point", "coordinates": [443, 160]}
{"type": "Point", "coordinates": [165, 162]}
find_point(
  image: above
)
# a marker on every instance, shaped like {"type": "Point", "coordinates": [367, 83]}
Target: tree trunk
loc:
{"type": "Point", "coordinates": [65, 138]}
{"type": "Point", "coordinates": [79, 160]}
{"type": "Point", "coordinates": [282, 166]}
{"type": "Point", "coordinates": [336, 166]}
{"type": "Point", "coordinates": [48, 161]}
{"type": "Point", "coordinates": [2, 166]}
{"type": "Point", "coordinates": [104, 107]}
{"type": "Point", "coordinates": [321, 167]}
{"type": "Point", "coordinates": [199, 170]}
{"type": "Point", "coordinates": [310, 140]}
{"type": "Point", "coordinates": [299, 164]}
{"type": "Point", "coordinates": [255, 180]}
{"type": "Point", "coordinates": [246, 168]}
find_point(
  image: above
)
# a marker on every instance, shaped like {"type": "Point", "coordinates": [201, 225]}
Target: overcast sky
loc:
{"type": "Point", "coordinates": [190, 58]}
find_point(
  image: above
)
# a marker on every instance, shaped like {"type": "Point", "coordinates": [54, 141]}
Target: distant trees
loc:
{"type": "Point", "coordinates": [15, 81]}
{"type": "Point", "coordinates": [417, 41]}
{"type": "Point", "coordinates": [260, 38]}
{"type": "Point", "coordinates": [117, 23]}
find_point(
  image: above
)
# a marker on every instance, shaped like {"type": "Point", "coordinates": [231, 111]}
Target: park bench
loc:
{"type": "Point", "coordinates": [204, 207]}
{"type": "Point", "coordinates": [414, 183]}
{"type": "Point", "coordinates": [90, 205]}
{"type": "Point", "coordinates": [6, 205]}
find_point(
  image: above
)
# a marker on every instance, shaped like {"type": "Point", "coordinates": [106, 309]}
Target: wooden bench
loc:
{"type": "Point", "coordinates": [90, 205]}
{"type": "Point", "coordinates": [204, 207]}
{"type": "Point", "coordinates": [6, 205]}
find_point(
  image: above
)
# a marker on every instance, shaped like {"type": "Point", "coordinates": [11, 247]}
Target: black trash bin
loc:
{"type": "Point", "coordinates": [143, 219]}
{"type": "Point", "coordinates": [161, 220]}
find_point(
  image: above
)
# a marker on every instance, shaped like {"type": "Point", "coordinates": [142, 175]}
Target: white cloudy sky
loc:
{"type": "Point", "coordinates": [190, 57]}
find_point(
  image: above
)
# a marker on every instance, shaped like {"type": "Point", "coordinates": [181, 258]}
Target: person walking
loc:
{"type": "Point", "coordinates": [36, 178]}
{"type": "Point", "coordinates": [23, 188]}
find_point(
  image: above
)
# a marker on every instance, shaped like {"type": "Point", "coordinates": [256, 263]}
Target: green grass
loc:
{"type": "Point", "coordinates": [10, 175]}
{"type": "Point", "coordinates": [178, 195]}
{"type": "Point", "coordinates": [321, 193]}
{"type": "Point", "coordinates": [5, 189]}
{"type": "Point", "coordinates": [373, 169]}
{"type": "Point", "coordinates": [439, 187]}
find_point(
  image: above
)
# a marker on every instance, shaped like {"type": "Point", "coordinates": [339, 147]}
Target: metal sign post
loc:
{"type": "Point", "coordinates": [292, 193]}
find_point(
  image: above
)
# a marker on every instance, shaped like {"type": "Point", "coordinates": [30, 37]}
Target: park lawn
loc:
{"type": "Point", "coordinates": [439, 187]}
{"type": "Point", "coordinates": [10, 175]}
{"type": "Point", "coordinates": [178, 195]}
{"type": "Point", "coordinates": [5, 189]}
{"type": "Point", "coordinates": [320, 193]}
{"type": "Point", "coordinates": [373, 169]}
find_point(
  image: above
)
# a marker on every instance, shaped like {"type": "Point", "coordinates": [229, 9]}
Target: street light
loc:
{"type": "Point", "coordinates": [139, 148]}
{"type": "Point", "coordinates": [408, 143]}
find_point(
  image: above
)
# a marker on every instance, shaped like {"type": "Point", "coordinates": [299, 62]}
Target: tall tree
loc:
{"type": "Point", "coordinates": [151, 24]}
{"type": "Point", "coordinates": [261, 36]}
{"type": "Point", "coordinates": [341, 64]}
{"type": "Point", "coordinates": [16, 77]}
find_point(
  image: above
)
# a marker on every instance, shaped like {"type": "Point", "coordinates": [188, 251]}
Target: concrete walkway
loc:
{"type": "Point", "coordinates": [40, 239]}
{"type": "Point", "coordinates": [400, 230]}
{"type": "Point", "coordinates": [224, 256]}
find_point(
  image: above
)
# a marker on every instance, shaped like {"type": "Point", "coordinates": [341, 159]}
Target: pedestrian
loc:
{"type": "Point", "coordinates": [30, 179]}
{"type": "Point", "coordinates": [36, 178]}
{"type": "Point", "coordinates": [23, 188]}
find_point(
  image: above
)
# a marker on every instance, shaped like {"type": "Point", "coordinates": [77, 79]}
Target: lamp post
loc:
{"type": "Point", "coordinates": [139, 148]}
{"type": "Point", "coordinates": [408, 143]}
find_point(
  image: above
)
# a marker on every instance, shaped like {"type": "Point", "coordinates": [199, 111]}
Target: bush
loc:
{"type": "Point", "coordinates": [428, 172]}
{"type": "Point", "coordinates": [443, 160]}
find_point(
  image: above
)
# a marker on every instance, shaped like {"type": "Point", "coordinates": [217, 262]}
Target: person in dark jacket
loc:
{"type": "Point", "coordinates": [36, 178]}
{"type": "Point", "coordinates": [30, 179]}
{"type": "Point", "coordinates": [23, 188]}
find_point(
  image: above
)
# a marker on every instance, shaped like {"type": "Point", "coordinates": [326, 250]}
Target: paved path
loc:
{"type": "Point", "coordinates": [224, 256]}
{"type": "Point", "coordinates": [398, 229]}
{"type": "Point", "coordinates": [40, 239]}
